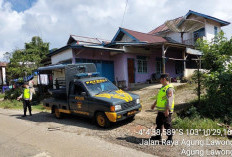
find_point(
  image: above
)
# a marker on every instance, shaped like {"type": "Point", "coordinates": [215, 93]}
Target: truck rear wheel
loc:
{"type": "Point", "coordinates": [101, 120]}
{"type": "Point", "coordinates": [57, 113]}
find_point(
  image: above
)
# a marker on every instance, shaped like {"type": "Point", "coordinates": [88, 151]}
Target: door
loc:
{"type": "Point", "coordinates": [78, 102]}
{"type": "Point", "coordinates": [108, 70]}
{"type": "Point", "coordinates": [131, 70]}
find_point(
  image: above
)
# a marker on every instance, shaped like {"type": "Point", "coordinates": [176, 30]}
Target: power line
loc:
{"type": "Point", "coordinates": [124, 12]}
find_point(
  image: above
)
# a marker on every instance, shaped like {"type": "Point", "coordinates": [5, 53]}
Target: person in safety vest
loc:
{"type": "Point", "coordinates": [165, 106]}
{"type": "Point", "coordinates": [26, 96]}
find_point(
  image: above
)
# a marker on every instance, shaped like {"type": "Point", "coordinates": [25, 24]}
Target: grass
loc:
{"type": "Point", "coordinates": [2, 95]}
{"type": "Point", "coordinates": [191, 119]}
{"type": "Point", "coordinates": [197, 123]}
{"type": "Point", "coordinates": [14, 104]}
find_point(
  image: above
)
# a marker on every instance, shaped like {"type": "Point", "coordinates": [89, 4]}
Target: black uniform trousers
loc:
{"type": "Point", "coordinates": [161, 121]}
{"type": "Point", "coordinates": [26, 104]}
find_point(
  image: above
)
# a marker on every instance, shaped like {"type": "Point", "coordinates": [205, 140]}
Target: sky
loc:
{"type": "Point", "coordinates": [55, 20]}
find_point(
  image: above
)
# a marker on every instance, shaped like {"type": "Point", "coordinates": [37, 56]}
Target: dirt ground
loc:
{"type": "Point", "coordinates": [135, 134]}
{"type": "Point", "coordinates": [183, 94]}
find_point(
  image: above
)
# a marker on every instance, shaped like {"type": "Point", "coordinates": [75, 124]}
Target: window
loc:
{"type": "Point", "coordinates": [142, 64]}
{"type": "Point", "coordinates": [78, 89]}
{"type": "Point", "coordinates": [215, 30]}
{"type": "Point", "coordinates": [199, 34]}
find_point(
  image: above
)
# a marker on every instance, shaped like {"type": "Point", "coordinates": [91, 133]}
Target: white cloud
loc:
{"type": "Point", "coordinates": [54, 21]}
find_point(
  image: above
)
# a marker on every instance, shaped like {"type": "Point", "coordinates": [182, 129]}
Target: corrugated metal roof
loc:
{"type": "Point", "coordinates": [193, 51]}
{"type": "Point", "coordinates": [85, 40]}
{"type": "Point", "coordinates": [163, 27]}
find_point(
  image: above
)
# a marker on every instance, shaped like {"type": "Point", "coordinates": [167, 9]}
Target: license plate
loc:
{"type": "Point", "coordinates": [131, 113]}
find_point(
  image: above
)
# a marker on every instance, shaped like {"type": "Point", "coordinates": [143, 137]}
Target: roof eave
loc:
{"type": "Point", "coordinates": [222, 22]}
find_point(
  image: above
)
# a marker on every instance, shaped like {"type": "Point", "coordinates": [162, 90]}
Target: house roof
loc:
{"type": "Point", "coordinates": [85, 40]}
{"type": "Point", "coordinates": [3, 64]}
{"type": "Point", "coordinates": [163, 27]}
{"type": "Point", "coordinates": [137, 36]}
{"type": "Point", "coordinates": [222, 22]}
{"type": "Point", "coordinates": [84, 47]}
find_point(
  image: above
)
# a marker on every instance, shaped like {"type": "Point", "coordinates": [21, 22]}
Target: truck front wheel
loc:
{"type": "Point", "coordinates": [57, 113]}
{"type": "Point", "coordinates": [101, 120]}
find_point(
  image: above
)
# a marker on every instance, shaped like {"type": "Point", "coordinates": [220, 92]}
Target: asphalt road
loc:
{"type": "Point", "coordinates": [22, 137]}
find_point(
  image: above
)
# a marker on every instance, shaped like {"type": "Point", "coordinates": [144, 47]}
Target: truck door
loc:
{"type": "Point", "coordinates": [77, 101]}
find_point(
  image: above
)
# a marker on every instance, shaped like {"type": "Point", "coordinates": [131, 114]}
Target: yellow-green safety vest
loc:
{"type": "Point", "coordinates": [162, 99]}
{"type": "Point", "coordinates": [26, 93]}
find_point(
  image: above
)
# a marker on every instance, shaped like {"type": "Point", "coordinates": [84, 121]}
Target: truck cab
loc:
{"type": "Point", "coordinates": [95, 97]}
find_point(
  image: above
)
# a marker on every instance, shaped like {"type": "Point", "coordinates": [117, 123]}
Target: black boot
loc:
{"type": "Point", "coordinates": [169, 139]}
{"type": "Point", "coordinates": [157, 138]}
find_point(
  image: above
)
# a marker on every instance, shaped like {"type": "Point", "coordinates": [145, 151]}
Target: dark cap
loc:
{"type": "Point", "coordinates": [25, 83]}
{"type": "Point", "coordinates": [166, 76]}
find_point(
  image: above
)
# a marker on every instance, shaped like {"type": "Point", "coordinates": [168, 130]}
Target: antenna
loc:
{"type": "Point", "coordinates": [124, 12]}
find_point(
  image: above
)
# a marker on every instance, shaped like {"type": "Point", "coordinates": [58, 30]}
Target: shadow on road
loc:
{"type": "Point", "coordinates": [72, 120]}
{"type": "Point", "coordinates": [136, 140]}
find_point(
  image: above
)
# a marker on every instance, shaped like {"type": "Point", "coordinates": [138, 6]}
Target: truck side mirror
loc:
{"type": "Point", "coordinates": [83, 94]}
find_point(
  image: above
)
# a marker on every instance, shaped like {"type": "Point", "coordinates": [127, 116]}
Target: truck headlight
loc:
{"type": "Point", "coordinates": [137, 101]}
{"type": "Point", "coordinates": [118, 107]}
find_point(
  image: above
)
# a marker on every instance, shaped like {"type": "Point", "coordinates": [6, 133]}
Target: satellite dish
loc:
{"type": "Point", "coordinates": [184, 26]}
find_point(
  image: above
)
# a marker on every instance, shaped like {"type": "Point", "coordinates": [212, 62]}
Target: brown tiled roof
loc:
{"type": "Point", "coordinates": [145, 37]}
{"type": "Point", "coordinates": [162, 27]}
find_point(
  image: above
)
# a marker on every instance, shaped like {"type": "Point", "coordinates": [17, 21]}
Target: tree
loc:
{"type": "Point", "coordinates": [217, 59]}
{"type": "Point", "coordinates": [23, 62]}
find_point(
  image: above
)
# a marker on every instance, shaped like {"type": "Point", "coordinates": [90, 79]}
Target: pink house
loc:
{"type": "Point", "coordinates": [134, 57]}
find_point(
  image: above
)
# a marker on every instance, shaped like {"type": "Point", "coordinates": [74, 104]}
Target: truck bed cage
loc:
{"type": "Point", "coordinates": [73, 71]}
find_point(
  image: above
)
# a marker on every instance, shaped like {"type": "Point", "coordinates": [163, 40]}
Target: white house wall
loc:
{"type": "Point", "coordinates": [126, 38]}
{"type": "Point", "coordinates": [209, 31]}
{"type": "Point", "coordinates": [4, 75]}
{"type": "Point", "coordinates": [177, 36]}
{"type": "Point", "coordinates": [65, 55]}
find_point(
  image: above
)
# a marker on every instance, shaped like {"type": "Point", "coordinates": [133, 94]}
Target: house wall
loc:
{"type": "Point", "coordinates": [151, 63]}
{"type": "Point", "coordinates": [177, 36]}
{"type": "Point", "coordinates": [126, 38]}
{"type": "Point", "coordinates": [120, 62]}
{"type": "Point", "coordinates": [209, 30]}
{"type": "Point", "coordinates": [4, 75]}
{"type": "Point", "coordinates": [65, 55]}
{"type": "Point", "coordinates": [95, 54]}
{"type": "Point", "coordinates": [120, 67]}
{"type": "Point", "coordinates": [117, 59]}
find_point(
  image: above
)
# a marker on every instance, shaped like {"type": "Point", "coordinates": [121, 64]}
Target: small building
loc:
{"type": "Point", "coordinates": [134, 57]}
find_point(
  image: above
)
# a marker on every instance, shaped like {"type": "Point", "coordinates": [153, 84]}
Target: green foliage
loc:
{"type": "Point", "coordinates": [23, 62]}
{"type": "Point", "coordinates": [2, 95]}
{"type": "Point", "coordinates": [191, 118]}
{"type": "Point", "coordinates": [11, 104]}
{"type": "Point", "coordinates": [13, 93]}
{"type": "Point", "coordinates": [196, 123]}
{"type": "Point", "coordinates": [217, 59]}
{"type": "Point", "coordinates": [14, 104]}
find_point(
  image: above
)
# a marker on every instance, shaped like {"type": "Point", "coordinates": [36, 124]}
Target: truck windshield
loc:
{"type": "Point", "coordinates": [99, 86]}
